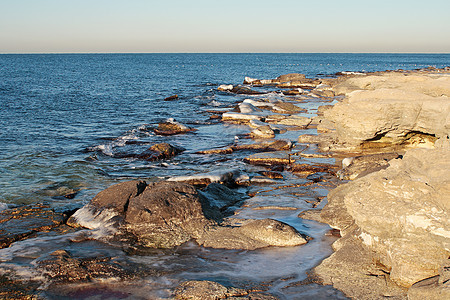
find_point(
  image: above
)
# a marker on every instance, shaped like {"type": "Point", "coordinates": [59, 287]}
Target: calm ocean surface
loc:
{"type": "Point", "coordinates": [66, 118]}
{"type": "Point", "coordinates": [55, 107]}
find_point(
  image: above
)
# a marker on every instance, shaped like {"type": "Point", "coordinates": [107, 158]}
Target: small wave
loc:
{"type": "Point", "coordinates": [3, 206]}
{"type": "Point", "coordinates": [101, 222]}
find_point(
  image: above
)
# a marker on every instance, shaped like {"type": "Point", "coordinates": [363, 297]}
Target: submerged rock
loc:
{"type": "Point", "coordinates": [22, 222]}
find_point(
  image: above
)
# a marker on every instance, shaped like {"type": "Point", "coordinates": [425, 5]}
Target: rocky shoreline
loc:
{"type": "Point", "coordinates": [390, 129]}
{"type": "Point", "coordinates": [393, 216]}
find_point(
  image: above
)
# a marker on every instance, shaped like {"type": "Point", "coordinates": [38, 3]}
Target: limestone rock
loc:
{"type": "Point", "coordinates": [295, 121]}
{"type": "Point", "coordinates": [359, 166]}
{"type": "Point", "coordinates": [252, 234]}
{"type": "Point", "coordinates": [392, 109]}
{"type": "Point", "coordinates": [402, 213]}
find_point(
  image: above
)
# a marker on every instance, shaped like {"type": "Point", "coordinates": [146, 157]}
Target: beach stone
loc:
{"type": "Point", "coordinates": [225, 87]}
{"type": "Point", "coordinates": [23, 222]}
{"type": "Point", "coordinates": [159, 152]}
{"type": "Point", "coordinates": [265, 146]}
{"type": "Point", "coordinates": [239, 89]}
{"type": "Point", "coordinates": [286, 108]}
{"type": "Point", "coordinates": [171, 98]}
{"type": "Point", "coordinates": [263, 132]}
{"type": "Point", "coordinates": [251, 234]}
{"type": "Point", "coordinates": [170, 127]}
{"type": "Point", "coordinates": [270, 158]}
{"type": "Point", "coordinates": [295, 121]}
{"type": "Point", "coordinates": [290, 77]}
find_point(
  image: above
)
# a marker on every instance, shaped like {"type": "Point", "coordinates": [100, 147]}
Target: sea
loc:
{"type": "Point", "coordinates": [65, 117]}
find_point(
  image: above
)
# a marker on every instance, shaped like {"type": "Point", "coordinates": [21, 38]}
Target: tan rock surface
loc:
{"type": "Point", "coordinates": [401, 212]}
{"type": "Point", "coordinates": [392, 107]}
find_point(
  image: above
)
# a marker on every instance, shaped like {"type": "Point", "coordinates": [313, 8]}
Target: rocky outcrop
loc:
{"type": "Point", "coordinates": [167, 214]}
{"type": "Point", "coordinates": [399, 214]}
{"type": "Point", "coordinates": [392, 109]}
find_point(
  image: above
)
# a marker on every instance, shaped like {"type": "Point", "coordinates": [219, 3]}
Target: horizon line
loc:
{"type": "Point", "coordinates": [21, 53]}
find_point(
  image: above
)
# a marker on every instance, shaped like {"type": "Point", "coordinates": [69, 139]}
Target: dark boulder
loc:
{"type": "Point", "coordinates": [160, 151]}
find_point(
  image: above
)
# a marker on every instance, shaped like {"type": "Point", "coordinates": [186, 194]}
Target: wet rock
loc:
{"type": "Point", "coordinates": [159, 152]}
{"type": "Point", "coordinates": [265, 146]}
{"type": "Point", "coordinates": [293, 92]}
{"type": "Point", "coordinates": [307, 169]}
{"type": "Point", "coordinates": [170, 127]}
{"type": "Point", "coordinates": [295, 121]}
{"type": "Point", "coordinates": [22, 222]}
{"type": "Point", "coordinates": [272, 174]}
{"type": "Point", "coordinates": [263, 132]}
{"type": "Point", "coordinates": [240, 118]}
{"type": "Point", "coordinates": [226, 177]}
{"type": "Point", "coordinates": [359, 166]}
{"type": "Point", "coordinates": [401, 213]}
{"type": "Point", "coordinates": [17, 289]}
{"type": "Point", "coordinates": [222, 198]}
{"type": "Point", "coordinates": [270, 158]}
{"type": "Point", "coordinates": [251, 234]}
{"type": "Point", "coordinates": [62, 267]}
{"type": "Point", "coordinates": [239, 89]}
{"type": "Point", "coordinates": [205, 290]}
{"type": "Point", "coordinates": [225, 87]}
{"type": "Point", "coordinates": [286, 108]}
{"type": "Point", "coordinates": [210, 290]}
{"type": "Point", "coordinates": [290, 77]}
{"type": "Point", "coordinates": [167, 214]}
{"type": "Point", "coordinates": [171, 98]}
{"type": "Point", "coordinates": [226, 150]}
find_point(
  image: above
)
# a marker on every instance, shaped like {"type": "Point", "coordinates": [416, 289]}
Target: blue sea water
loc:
{"type": "Point", "coordinates": [55, 106]}
{"type": "Point", "coordinates": [65, 118]}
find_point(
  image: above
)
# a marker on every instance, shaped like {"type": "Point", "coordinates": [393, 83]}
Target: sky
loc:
{"type": "Point", "coordinates": [148, 26]}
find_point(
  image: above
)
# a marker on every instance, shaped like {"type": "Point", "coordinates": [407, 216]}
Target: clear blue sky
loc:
{"type": "Point", "coordinates": [224, 26]}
